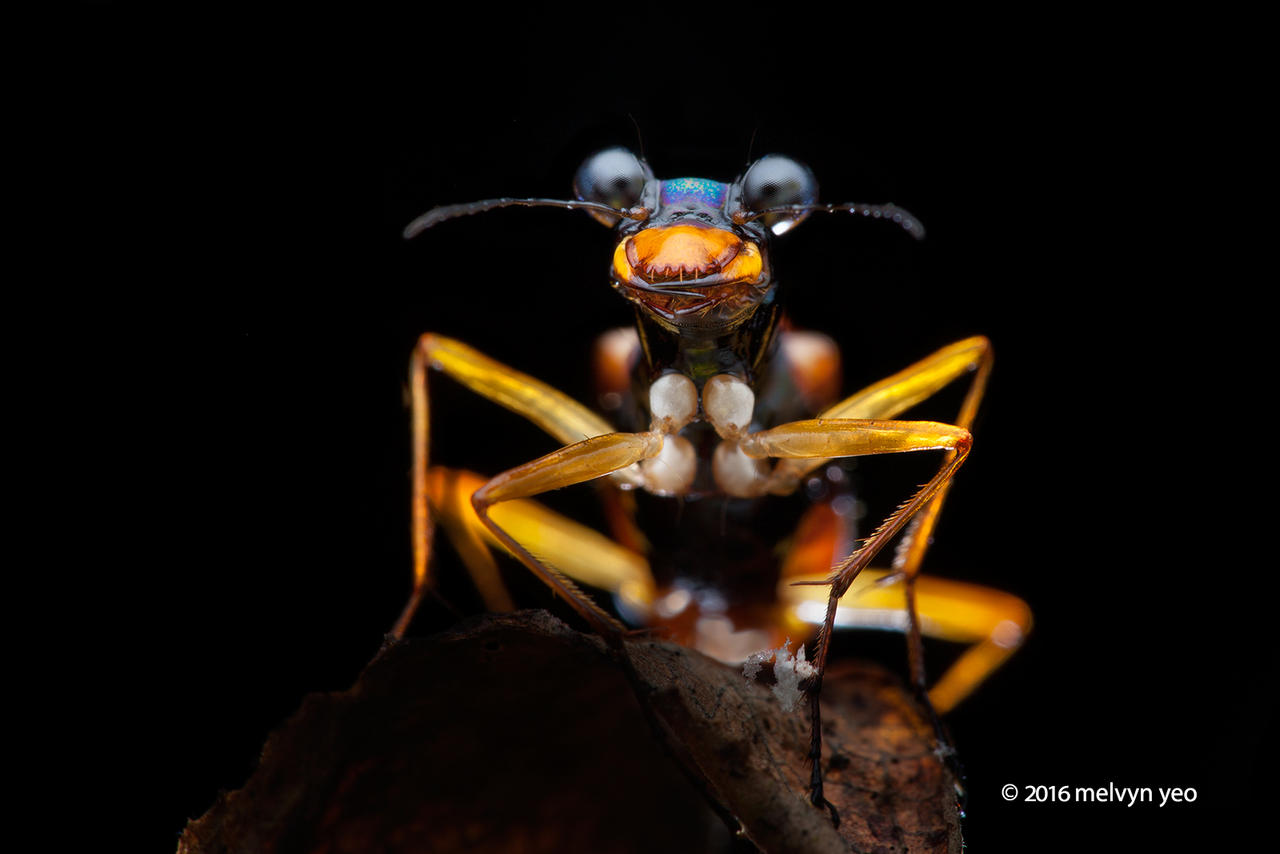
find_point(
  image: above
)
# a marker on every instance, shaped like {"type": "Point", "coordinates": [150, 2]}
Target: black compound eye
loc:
{"type": "Point", "coordinates": [613, 177]}
{"type": "Point", "coordinates": [775, 180]}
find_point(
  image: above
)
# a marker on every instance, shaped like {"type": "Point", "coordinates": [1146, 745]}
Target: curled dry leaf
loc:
{"type": "Point", "coordinates": [515, 733]}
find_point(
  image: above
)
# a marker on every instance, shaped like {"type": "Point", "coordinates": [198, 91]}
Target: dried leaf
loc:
{"type": "Point", "coordinates": [515, 733]}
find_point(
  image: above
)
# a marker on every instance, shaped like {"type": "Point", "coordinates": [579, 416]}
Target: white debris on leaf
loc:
{"type": "Point", "coordinates": [789, 672]}
{"type": "Point", "coordinates": [751, 667]}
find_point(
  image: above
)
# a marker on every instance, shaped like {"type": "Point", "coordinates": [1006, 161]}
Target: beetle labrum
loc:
{"type": "Point", "coordinates": [718, 410]}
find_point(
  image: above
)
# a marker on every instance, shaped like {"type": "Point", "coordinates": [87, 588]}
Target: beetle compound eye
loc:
{"type": "Point", "coordinates": [613, 177]}
{"type": "Point", "coordinates": [774, 181]}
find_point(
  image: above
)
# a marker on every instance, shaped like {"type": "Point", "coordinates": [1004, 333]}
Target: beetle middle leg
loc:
{"type": "Point", "coordinates": [576, 550]}
{"type": "Point", "coordinates": [991, 622]}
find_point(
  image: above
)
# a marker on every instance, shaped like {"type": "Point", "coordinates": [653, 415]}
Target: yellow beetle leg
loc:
{"type": "Point", "coordinates": [555, 412]}
{"type": "Point", "coordinates": [891, 397]}
{"type": "Point", "coordinates": [574, 549]}
{"type": "Point", "coordinates": [586, 460]}
{"type": "Point", "coordinates": [826, 438]}
{"type": "Point", "coordinates": [993, 623]}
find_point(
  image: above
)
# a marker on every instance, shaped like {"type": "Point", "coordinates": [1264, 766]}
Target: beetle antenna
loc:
{"type": "Point", "coordinates": [891, 212]}
{"type": "Point", "coordinates": [639, 136]}
{"type": "Point", "coordinates": [440, 214]}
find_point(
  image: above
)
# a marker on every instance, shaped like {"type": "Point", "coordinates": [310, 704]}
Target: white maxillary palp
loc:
{"type": "Point", "coordinates": [672, 471]}
{"type": "Point", "coordinates": [737, 474]}
{"type": "Point", "coordinates": [728, 404]}
{"type": "Point", "coordinates": [673, 403]}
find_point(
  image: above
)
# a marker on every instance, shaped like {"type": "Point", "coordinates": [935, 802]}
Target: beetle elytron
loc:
{"type": "Point", "coordinates": [718, 411]}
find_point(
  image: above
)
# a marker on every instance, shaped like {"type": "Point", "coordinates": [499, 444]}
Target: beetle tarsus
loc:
{"type": "Point", "coordinates": [815, 753]}
{"type": "Point", "coordinates": [816, 798]}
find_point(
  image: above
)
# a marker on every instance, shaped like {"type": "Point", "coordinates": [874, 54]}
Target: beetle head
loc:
{"type": "Point", "coordinates": [692, 253]}
{"type": "Point", "coordinates": [699, 259]}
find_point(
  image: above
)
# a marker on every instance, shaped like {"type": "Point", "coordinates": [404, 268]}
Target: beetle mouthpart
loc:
{"type": "Point", "coordinates": [689, 275]}
{"type": "Point", "coordinates": [681, 251]}
{"type": "Point", "coordinates": [686, 254]}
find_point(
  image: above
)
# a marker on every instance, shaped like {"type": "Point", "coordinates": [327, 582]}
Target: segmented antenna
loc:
{"type": "Point", "coordinates": [440, 214]}
{"type": "Point", "coordinates": [890, 212]}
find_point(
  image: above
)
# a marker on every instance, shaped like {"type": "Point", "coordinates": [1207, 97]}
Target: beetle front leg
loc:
{"type": "Point", "coordinates": [830, 438]}
{"type": "Point", "coordinates": [888, 398]}
{"type": "Point", "coordinates": [583, 461]}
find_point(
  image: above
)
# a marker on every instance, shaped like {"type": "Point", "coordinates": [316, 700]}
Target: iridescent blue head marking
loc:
{"type": "Point", "coordinates": [695, 192]}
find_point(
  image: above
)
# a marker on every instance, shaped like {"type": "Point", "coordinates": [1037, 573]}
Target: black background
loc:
{"type": "Point", "coordinates": [246, 368]}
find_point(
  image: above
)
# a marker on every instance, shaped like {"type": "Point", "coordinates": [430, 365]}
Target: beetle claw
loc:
{"type": "Point", "coordinates": [816, 798]}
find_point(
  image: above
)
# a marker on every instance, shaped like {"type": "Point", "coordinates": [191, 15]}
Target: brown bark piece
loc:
{"type": "Point", "coordinates": [515, 733]}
